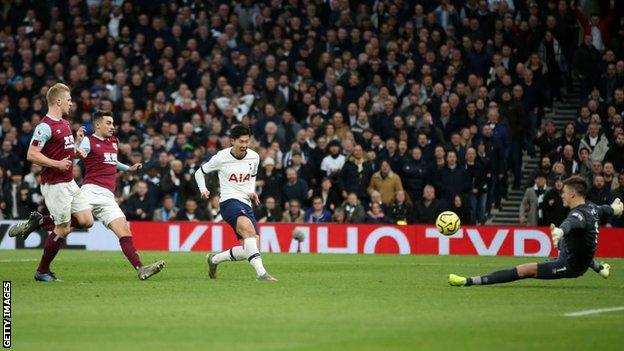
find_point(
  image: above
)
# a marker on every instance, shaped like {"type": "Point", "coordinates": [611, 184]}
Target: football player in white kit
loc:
{"type": "Point", "coordinates": [237, 167]}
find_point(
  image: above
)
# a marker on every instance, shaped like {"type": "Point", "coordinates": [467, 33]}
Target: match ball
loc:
{"type": "Point", "coordinates": [448, 223]}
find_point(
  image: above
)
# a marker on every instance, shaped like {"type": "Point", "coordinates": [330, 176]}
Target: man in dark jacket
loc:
{"type": "Point", "coordinates": [586, 62]}
{"type": "Point", "coordinates": [428, 208]}
{"type": "Point", "coordinates": [191, 212]}
{"type": "Point", "coordinates": [516, 117]}
{"type": "Point", "coordinates": [615, 154]}
{"type": "Point", "coordinates": [414, 173]}
{"type": "Point", "coordinates": [139, 206]}
{"type": "Point", "coordinates": [269, 211]}
{"type": "Point", "coordinates": [452, 180]}
{"type": "Point", "coordinates": [295, 188]}
{"type": "Point", "coordinates": [599, 194]}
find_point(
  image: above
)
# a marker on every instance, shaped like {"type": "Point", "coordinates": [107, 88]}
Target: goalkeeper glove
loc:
{"type": "Point", "coordinates": [617, 207]}
{"type": "Point", "coordinates": [556, 234]}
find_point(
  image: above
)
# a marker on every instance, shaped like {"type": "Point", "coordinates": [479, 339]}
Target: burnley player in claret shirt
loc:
{"type": "Point", "coordinates": [53, 148]}
{"type": "Point", "coordinates": [99, 154]}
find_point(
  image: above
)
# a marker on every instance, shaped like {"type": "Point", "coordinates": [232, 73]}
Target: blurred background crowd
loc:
{"type": "Point", "coordinates": [362, 111]}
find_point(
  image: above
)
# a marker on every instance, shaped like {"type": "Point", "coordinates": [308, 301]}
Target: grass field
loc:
{"type": "Point", "coordinates": [322, 302]}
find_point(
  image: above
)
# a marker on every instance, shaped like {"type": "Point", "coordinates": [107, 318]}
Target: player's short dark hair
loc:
{"type": "Point", "coordinates": [239, 130]}
{"type": "Point", "coordinates": [578, 183]}
{"type": "Point", "coordinates": [99, 114]}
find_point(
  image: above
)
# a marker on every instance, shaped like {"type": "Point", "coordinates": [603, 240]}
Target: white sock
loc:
{"type": "Point", "coordinates": [234, 254]}
{"type": "Point", "coordinates": [253, 255]}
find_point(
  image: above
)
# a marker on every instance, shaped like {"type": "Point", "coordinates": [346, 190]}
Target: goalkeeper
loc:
{"type": "Point", "coordinates": [576, 240]}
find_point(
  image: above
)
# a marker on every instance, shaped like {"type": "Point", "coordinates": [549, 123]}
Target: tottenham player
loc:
{"type": "Point", "coordinates": [576, 239]}
{"type": "Point", "coordinates": [99, 154]}
{"type": "Point", "coordinates": [52, 147]}
{"type": "Point", "coordinates": [237, 167]}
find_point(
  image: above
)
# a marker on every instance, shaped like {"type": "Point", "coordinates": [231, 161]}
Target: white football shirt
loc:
{"type": "Point", "coordinates": [237, 177]}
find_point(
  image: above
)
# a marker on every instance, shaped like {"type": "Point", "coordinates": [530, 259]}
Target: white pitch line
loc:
{"type": "Point", "coordinates": [19, 260]}
{"type": "Point", "coordinates": [594, 311]}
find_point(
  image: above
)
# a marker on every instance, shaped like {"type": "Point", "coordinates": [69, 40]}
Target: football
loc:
{"type": "Point", "coordinates": [448, 223]}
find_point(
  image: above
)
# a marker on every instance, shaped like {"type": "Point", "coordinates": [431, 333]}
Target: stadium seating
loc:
{"type": "Point", "coordinates": [375, 99]}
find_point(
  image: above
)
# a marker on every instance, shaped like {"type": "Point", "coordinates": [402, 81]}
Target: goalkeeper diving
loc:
{"type": "Point", "coordinates": [576, 239]}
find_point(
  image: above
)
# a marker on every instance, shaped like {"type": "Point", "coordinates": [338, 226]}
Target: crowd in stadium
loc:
{"type": "Point", "coordinates": [362, 111]}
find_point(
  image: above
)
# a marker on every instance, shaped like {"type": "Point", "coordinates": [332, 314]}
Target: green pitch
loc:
{"type": "Point", "coordinates": [322, 302]}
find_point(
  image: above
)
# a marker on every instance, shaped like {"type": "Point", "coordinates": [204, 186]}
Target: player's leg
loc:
{"type": "Point", "coordinates": [230, 211]}
{"type": "Point", "coordinates": [51, 247]}
{"type": "Point", "coordinates": [120, 227]}
{"type": "Point", "coordinates": [81, 208]}
{"type": "Point", "coordinates": [38, 221]}
{"type": "Point", "coordinates": [247, 230]}
{"type": "Point", "coordinates": [58, 200]}
{"type": "Point", "coordinates": [523, 271]}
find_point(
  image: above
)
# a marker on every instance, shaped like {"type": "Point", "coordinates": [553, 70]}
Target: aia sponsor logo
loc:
{"type": "Point", "coordinates": [239, 178]}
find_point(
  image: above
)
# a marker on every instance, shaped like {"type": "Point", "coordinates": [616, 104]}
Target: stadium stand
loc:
{"type": "Point", "coordinates": [360, 104]}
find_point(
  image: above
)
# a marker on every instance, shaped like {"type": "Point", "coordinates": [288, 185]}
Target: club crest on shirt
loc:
{"type": "Point", "coordinates": [115, 146]}
{"type": "Point", "coordinates": [58, 131]}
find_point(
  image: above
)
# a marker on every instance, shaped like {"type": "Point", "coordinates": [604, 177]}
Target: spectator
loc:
{"type": "Point", "coordinates": [330, 198]}
{"type": "Point", "coordinates": [610, 177]}
{"type": "Point", "coordinates": [531, 213]}
{"type": "Point", "coordinates": [599, 193]}
{"type": "Point", "coordinates": [214, 209]}
{"type": "Point", "coordinates": [618, 193]}
{"type": "Point", "coordinates": [463, 211]}
{"type": "Point", "coordinates": [546, 140]}
{"type": "Point", "coordinates": [139, 206]}
{"type": "Point", "coordinates": [317, 213]}
{"type": "Point", "coordinates": [414, 173]}
{"type": "Point", "coordinates": [294, 214]}
{"type": "Point", "coordinates": [167, 212]}
{"type": "Point", "coordinates": [269, 211]}
{"type": "Point", "coordinates": [477, 196]}
{"type": "Point", "coordinates": [386, 182]}
{"type": "Point", "coordinates": [597, 143]}
{"type": "Point", "coordinates": [376, 215]}
{"type": "Point", "coordinates": [295, 188]}
{"type": "Point", "coordinates": [329, 74]}
{"type": "Point", "coordinates": [353, 210]}
{"type": "Point", "coordinates": [585, 164]}
{"type": "Point", "coordinates": [339, 216]}
{"type": "Point", "coordinates": [356, 173]}
{"type": "Point", "coordinates": [269, 180]}
{"type": "Point", "coordinates": [191, 213]}
{"type": "Point", "coordinates": [587, 65]}
{"type": "Point", "coordinates": [9, 158]}
{"type": "Point", "coordinates": [428, 208]}
{"type": "Point", "coordinates": [554, 211]}
{"type": "Point", "coordinates": [401, 208]}
{"type": "Point", "coordinates": [451, 179]}
{"type": "Point", "coordinates": [516, 117]}
{"type": "Point", "coordinates": [332, 164]}
{"type": "Point", "coordinates": [615, 154]}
